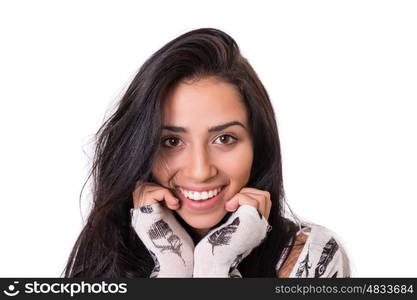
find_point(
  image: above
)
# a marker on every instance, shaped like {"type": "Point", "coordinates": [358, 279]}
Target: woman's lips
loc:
{"type": "Point", "coordinates": [201, 205]}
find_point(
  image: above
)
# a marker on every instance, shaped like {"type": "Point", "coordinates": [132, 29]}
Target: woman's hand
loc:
{"type": "Point", "coordinates": [259, 199]}
{"type": "Point", "coordinates": [167, 241]}
{"type": "Point", "coordinates": [148, 193]}
{"type": "Point", "coordinates": [224, 247]}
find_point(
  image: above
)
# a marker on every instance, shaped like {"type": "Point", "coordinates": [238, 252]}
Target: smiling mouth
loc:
{"type": "Point", "coordinates": [201, 205]}
{"type": "Point", "coordinates": [200, 195]}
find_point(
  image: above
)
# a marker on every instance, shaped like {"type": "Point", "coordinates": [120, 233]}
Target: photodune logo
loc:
{"type": "Point", "coordinates": [11, 289]}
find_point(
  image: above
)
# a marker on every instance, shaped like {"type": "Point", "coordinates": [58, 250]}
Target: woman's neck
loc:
{"type": "Point", "coordinates": [201, 232]}
{"type": "Point", "coordinates": [195, 233]}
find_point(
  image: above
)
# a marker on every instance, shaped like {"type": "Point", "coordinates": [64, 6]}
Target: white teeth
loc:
{"type": "Point", "coordinates": [197, 196]}
{"type": "Point", "coordinates": [200, 195]}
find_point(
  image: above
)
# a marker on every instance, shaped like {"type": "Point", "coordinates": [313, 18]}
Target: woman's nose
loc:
{"type": "Point", "coordinates": [199, 166]}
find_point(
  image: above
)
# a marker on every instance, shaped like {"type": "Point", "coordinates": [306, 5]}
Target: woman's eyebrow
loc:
{"type": "Point", "coordinates": [211, 129]}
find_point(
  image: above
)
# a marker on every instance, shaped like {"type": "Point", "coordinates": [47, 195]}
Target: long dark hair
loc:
{"type": "Point", "coordinates": [127, 142]}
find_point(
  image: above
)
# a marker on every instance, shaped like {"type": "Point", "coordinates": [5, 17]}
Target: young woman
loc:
{"type": "Point", "coordinates": [188, 177]}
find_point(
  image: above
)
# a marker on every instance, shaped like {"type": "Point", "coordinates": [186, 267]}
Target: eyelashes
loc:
{"type": "Point", "coordinates": [174, 141]}
{"type": "Point", "coordinates": [166, 142]}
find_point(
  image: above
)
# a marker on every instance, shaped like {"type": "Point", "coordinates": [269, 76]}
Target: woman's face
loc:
{"type": "Point", "coordinates": [205, 145]}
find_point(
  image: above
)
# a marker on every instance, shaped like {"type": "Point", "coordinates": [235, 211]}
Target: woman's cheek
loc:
{"type": "Point", "coordinates": [161, 170]}
{"type": "Point", "coordinates": [238, 163]}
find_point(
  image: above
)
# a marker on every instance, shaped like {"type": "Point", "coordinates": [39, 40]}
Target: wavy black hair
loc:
{"type": "Point", "coordinates": [127, 142]}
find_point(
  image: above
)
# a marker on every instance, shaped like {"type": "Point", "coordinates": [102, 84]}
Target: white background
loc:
{"type": "Point", "coordinates": [342, 76]}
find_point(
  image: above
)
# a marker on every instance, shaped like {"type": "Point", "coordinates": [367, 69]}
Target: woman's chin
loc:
{"type": "Point", "coordinates": [202, 222]}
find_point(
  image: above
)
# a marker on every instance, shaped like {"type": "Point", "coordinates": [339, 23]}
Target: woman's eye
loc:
{"type": "Point", "coordinates": [171, 142]}
{"type": "Point", "coordinates": [227, 139]}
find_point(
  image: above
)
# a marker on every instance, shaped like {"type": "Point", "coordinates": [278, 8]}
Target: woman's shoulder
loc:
{"type": "Point", "coordinates": [316, 251]}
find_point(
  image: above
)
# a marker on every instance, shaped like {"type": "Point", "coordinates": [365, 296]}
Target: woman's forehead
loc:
{"type": "Point", "coordinates": [206, 100]}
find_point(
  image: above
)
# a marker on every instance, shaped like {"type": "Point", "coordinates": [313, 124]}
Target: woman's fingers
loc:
{"type": "Point", "coordinates": [150, 193]}
{"type": "Point", "coordinates": [259, 199]}
{"type": "Point", "coordinates": [241, 199]}
{"type": "Point", "coordinates": [170, 200]}
{"type": "Point", "coordinates": [263, 196]}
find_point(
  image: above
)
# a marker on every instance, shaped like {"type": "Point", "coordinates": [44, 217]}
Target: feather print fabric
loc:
{"type": "Point", "coordinates": [223, 235]}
